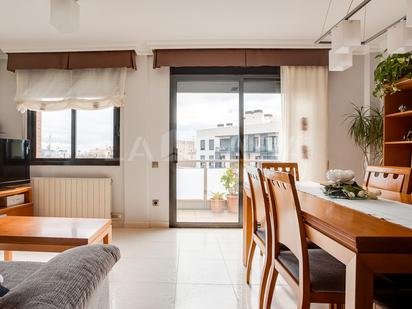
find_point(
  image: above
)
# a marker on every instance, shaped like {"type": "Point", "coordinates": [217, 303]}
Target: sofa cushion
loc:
{"type": "Point", "coordinates": [66, 281]}
{"type": "Point", "coordinates": [15, 272]}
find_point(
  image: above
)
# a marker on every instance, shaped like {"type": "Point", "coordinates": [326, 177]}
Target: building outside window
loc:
{"type": "Point", "coordinates": [202, 158]}
{"type": "Point", "coordinates": [260, 140]}
{"type": "Point", "coordinates": [211, 144]}
{"type": "Point", "coordinates": [256, 143]}
{"type": "Point", "coordinates": [211, 164]}
{"type": "Point", "coordinates": [202, 144]}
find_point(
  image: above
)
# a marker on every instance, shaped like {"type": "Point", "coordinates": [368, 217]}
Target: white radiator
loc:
{"type": "Point", "coordinates": [72, 197]}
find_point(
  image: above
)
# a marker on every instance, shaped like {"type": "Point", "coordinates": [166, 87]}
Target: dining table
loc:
{"type": "Point", "coordinates": [368, 236]}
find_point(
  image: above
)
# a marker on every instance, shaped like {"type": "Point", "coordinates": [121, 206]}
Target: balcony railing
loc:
{"type": "Point", "coordinates": [198, 180]}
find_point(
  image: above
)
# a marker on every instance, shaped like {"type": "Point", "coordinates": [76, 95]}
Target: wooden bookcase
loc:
{"type": "Point", "coordinates": [25, 209]}
{"type": "Point", "coordinates": [396, 151]}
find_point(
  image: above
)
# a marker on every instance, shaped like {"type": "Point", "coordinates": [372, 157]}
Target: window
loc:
{"type": "Point", "coordinates": [202, 158]}
{"type": "Point", "coordinates": [256, 143]}
{"type": "Point", "coordinates": [211, 144]}
{"type": "Point", "coordinates": [75, 137]}
{"type": "Point", "coordinates": [270, 143]}
{"type": "Point", "coordinates": [211, 158]}
{"type": "Point", "coordinates": [225, 144]}
{"type": "Point", "coordinates": [202, 144]}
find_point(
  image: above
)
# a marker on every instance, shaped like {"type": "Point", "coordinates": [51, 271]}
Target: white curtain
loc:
{"type": "Point", "coordinates": [305, 110]}
{"type": "Point", "coordinates": [50, 90]}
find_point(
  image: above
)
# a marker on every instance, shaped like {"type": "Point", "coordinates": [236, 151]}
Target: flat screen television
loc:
{"type": "Point", "coordinates": [14, 162]}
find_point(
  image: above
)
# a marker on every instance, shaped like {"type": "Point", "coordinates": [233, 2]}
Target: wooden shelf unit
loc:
{"type": "Point", "coordinates": [25, 209]}
{"type": "Point", "coordinates": [400, 114]}
{"type": "Point", "coordinates": [397, 152]}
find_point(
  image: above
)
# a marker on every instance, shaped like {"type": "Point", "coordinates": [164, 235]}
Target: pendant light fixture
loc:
{"type": "Point", "coordinates": [346, 36]}
{"type": "Point", "coordinates": [339, 62]}
{"type": "Point", "coordinates": [408, 13]}
{"type": "Point", "coordinates": [399, 38]}
{"type": "Point", "coordinates": [65, 15]}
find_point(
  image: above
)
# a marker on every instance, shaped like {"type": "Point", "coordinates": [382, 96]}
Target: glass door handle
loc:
{"type": "Point", "coordinates": [174, 156]}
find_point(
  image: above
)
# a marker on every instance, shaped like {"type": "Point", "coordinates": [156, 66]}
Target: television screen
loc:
{"type": "Point", "coordinates": [14, 162]}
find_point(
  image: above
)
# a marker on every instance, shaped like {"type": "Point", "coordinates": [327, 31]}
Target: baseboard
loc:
{"type": "Point", "coordinates": [146, 224]}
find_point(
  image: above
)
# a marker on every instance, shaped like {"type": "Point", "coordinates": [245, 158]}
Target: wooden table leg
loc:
{"type": "Point", "coordinates": [247, 226]}
{"type": "Point", "coordinates": [359, 285]}
{"type": "Point", "coordinates": [107, 239]}
{"type": "Point", "coordinates": [8, 255]}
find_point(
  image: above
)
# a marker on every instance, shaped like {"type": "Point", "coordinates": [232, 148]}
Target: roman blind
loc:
{"type": "Point", "coordinates": [239, 57]}
{"type": "Point", "coordinates": [51, 90]}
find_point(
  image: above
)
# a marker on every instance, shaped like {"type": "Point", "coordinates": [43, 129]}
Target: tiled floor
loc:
{"type": "Point", "coordinates": [183, 269]}
{"type": "Point", "coordinates": [187, 215]}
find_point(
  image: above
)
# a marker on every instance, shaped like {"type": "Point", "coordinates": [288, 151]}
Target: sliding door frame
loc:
{"type": "Point", "coordinates": [174, 79]}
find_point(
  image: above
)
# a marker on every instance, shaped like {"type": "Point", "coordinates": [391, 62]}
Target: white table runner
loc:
{"type": "Point", "coordinates": [392, 211]}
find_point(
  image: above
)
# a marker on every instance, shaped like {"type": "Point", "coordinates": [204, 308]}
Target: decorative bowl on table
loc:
{"type": "Point", "coordinates": [342, 184]}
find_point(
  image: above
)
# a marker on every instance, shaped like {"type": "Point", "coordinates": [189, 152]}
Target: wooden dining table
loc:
{"type": "Point", "coordinates": [367, 245]}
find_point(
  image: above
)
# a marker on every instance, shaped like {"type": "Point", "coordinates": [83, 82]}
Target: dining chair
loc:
{"type": "Point", "coordinates": [261, 228]}
{"type": "Point", "coordinates": [289, 167]}
{"type": "Point", "coordinates": [389, 178]}
{"type": "Point", "coordinates": [315, 275]}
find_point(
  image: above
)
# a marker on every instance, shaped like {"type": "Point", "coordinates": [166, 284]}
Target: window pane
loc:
{"type": "Point", "coordinates": [53, 134]}
{"type": "Point", "coordinates": [94, 134]}
{"type": "Point", "coordinates": [263, 121]}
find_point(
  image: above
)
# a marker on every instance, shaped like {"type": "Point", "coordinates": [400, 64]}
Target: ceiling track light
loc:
{"type": "Point", "coordinates": [346, 36]}
{"type": "Point", "coordinates": [399, 38]}
{"type": "Point", "coordinates": [408, 13]}
{"type": "Point", "coordinates": [65, 15]}
{"type": "Point", "coordinates": [339, 62]}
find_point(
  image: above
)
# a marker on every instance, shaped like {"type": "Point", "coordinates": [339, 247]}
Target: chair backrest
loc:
{"type": "Point", "coordinates": [287, 216]}
{"type": "Point", "coordinates": [260, 201]}
{"type": "Point", "coordinates": [288, 167]}
{"type": "Point", "coordinates": [390, 178]}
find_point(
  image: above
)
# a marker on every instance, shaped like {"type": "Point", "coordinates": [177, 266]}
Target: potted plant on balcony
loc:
{"type": "Point", "coordinates": [230, 180]}
{"type": "Point", "coordinates": [217, 202]}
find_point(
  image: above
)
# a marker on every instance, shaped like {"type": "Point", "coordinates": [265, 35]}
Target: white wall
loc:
{"type": "Point", "coordinates": [11, 121]}
{"type": "Point", "coordinates": [145, 129]}
{"type": "Point", "coordinates": [345, 88]}
{"type": "Point", "coordinates": [144, 137]}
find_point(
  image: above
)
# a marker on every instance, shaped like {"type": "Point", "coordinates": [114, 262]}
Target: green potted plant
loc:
{"type": "Point", "coordinates": [230, 181]}
{"type": "Point", "coordinates": [366, 130]}
{"type": "Point", "coordinates": [217, 202]}
{"type": "Point", "coordinates": [389, 71]}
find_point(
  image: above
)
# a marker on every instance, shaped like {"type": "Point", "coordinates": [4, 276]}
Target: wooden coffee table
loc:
{"type": "Point", "coordinates": [50, 234]}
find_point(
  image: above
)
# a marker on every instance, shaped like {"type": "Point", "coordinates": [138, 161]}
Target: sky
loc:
{"type": "Point", "coordinates": [205, 110]}
{"type": "Point", "coordinates": [95, 129]}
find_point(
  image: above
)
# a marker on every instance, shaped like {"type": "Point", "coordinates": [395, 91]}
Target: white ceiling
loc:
{"type": "Point", "coordinates": [144, 24]}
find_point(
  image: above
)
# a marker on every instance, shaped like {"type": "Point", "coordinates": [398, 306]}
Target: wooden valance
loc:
{"type": "Point", "coordinates": [72, 60]}
{"type": "Point", "coordinates": [199, 58]}
{"type": "Point", "coordinates": [239, 57]}
{"type": "Point", "coordinates": [286, 57]}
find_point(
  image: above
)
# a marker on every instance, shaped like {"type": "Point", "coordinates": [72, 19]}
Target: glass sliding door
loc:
{"type": "Point", "coordinates": [262, 121]}
{"type": "Point", "coordinates": [219, 124]}
{"type": "Point", "coordinates": [207, 149]}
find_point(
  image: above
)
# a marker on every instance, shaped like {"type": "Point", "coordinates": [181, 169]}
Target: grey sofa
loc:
{"type": "Point", "coordinates": [74, 279]}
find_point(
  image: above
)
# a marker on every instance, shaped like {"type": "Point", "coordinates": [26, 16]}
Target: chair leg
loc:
{"type": "Point", "coordinates": [264, 278]}
{"type": "Point", "coordinates": [250, 261]}
{"type": "Point", "coordinates": [270, 287]}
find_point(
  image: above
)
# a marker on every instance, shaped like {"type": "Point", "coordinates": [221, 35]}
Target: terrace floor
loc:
{"type": "Point", "coordinates": [206, 215]}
